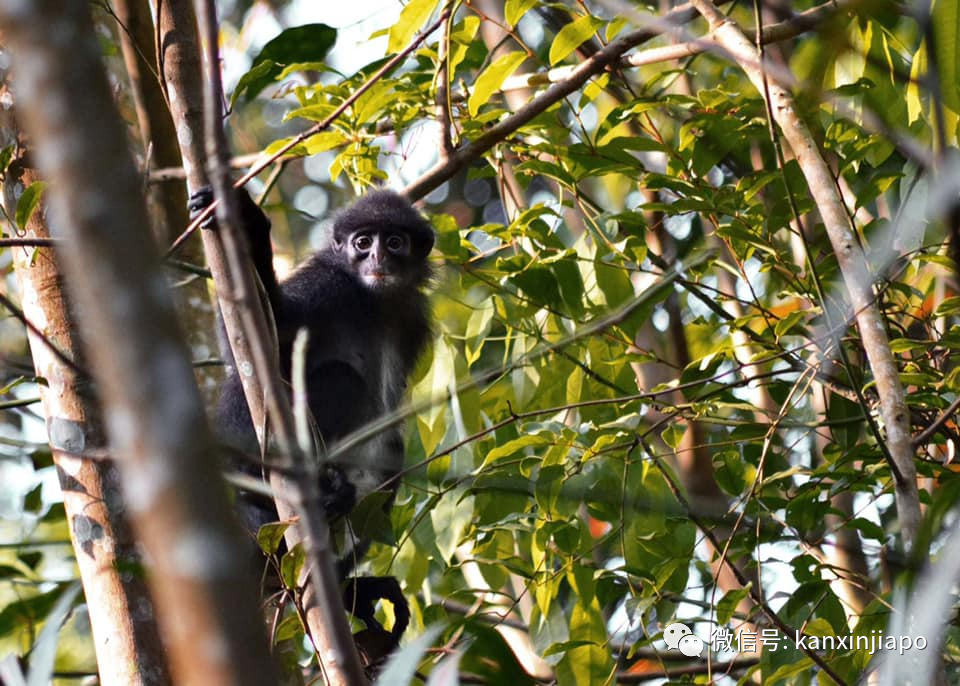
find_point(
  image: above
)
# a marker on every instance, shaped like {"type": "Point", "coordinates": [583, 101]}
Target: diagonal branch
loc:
{"type": "Point", "coordinates": [850, 257]}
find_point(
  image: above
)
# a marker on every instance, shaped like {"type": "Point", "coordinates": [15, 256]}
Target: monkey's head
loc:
{"type": "Point", "coordinates": [384, 241]}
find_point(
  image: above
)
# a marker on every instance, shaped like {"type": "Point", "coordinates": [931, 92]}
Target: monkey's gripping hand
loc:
{"type": "Point", "coordinates": [255, 226]}
{"type": "Point", "coordinates": [200, 200]}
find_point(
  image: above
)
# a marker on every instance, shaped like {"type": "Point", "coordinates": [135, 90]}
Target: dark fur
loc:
{"type": "Point", "coordinates": [364, 341]}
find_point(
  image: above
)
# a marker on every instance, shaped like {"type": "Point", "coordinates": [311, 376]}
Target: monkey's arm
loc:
{"type": "Point", "coordinates": [256, 227]}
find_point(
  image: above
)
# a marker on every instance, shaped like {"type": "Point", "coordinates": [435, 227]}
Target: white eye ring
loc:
{"type": "Point", "coordinates": [363, 242]}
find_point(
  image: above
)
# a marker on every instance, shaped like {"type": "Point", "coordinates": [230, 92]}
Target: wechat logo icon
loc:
{"type": "Point", "coordinates": [678, 636]}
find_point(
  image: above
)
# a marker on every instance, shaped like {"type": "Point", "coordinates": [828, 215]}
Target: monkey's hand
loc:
{"type": "Point", "coordinates": [255, 225]}
{"type": "Point", "coordinates": [338, 495]}
{"type": "Point", "coordinates": [200, 200]}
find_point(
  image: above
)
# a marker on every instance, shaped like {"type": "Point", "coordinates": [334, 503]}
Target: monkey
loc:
{"type": "Point", "coordinates": [361, 299]}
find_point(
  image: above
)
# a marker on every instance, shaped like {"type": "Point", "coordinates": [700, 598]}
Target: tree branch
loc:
{"type": "Point", "coordinates": [250, 338]}
{"type": "Point", "coordinates": [850, 257]}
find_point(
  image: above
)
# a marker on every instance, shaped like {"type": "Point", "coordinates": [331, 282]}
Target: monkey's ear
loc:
{"type": "Point", "coordinates": [337, 244]}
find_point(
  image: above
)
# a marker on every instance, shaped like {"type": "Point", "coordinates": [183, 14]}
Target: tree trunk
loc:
{"type": "Point", "coordinates": [167, 200]}
{"type": "Point", "coordinates": [125, 634]}
{"type": "Point", "coordinates": [175, 498]}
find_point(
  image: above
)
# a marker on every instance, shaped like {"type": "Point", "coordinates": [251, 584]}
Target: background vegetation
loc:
{"type": "Point", "coordinates": [680, 372]}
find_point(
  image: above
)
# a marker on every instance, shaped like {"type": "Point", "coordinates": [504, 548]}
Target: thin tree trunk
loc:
{"type": "Point", "coordinates": [125, 633]}
{"type": "Point", "coordinates": [167, 201]}
{"type": "Point", "coordinates": [174, 496]}
{"type": "Point", "coordinates": [322, 604]}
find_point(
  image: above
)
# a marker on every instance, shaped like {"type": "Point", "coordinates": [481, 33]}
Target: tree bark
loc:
{"type": "Point", "coordinates": [174, 496]}
{"type": "Point", "coordinates": [125, 633]}
{"type": "Point", "coordinates": [167, 200]}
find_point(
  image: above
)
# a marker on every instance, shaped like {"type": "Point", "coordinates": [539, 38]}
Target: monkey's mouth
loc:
{"type": "Point", "coordinates": [378, 279]}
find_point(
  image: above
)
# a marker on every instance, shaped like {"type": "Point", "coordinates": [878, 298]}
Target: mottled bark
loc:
{"type": "Point", "coordinates": [125, 633]}
{"type": "Point", "coordinates": [167, 200]}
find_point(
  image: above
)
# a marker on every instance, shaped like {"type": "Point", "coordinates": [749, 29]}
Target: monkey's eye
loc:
{"type": "Point", "coordinates": [396, 243]}
{"type": "Point", "coordinates": [363, 242]}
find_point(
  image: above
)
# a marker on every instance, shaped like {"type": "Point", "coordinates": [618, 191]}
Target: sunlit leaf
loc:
{"type": "Point", "coordinates": [413, 17]}
{"type": "Point", "coordinates": [514, 10]}
{"type": "Point", "coordinates": [490, 80]}
{"type": "Point", "coordinates": [28, 202]}
{"type": "Point", "coordinates": [572, 36]}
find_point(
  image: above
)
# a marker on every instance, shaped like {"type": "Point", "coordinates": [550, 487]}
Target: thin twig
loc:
{"type": "Point", "coordinates": [29, 242]}
{"type": "Point", "coordinates": [944, 417]}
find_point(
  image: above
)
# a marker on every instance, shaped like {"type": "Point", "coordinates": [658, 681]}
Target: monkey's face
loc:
{"type": "Point", "coordinates": [381, 258]}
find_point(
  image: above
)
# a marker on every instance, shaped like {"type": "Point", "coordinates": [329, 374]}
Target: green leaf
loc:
{"type": "Point", "coordinates": [369, 520]}
{"type": "Point", "coordinates": [492, 78]}
{"type": "Point", "coordinates": [291, 565]}
{"type": "Point", "coordinates": [514, 10]}
{"type": "Point", "coordinates": [540, 284]}
{"type": "Point", "coordinates": [614, 281]}
{"type": "Point", "coordinates": [29, 611]}
{"type": "Point", "coordinates": [323, 141]}
{"type": "Point", "coordinates": [32, 501]}
{"type": "Point", "coordinates": [948, 308]}
{"type": "Point", "coordinates": [572, 36]}
{"type": "Point", "coordinates": [269, 536]}
{"type": "Point", "coordinates": [847, 418]}
{"type": "Point", "coordinates": [402, 667]}
{"type": "Point", "coordinates": [510, 448]}
{"type": "Point", "coordinates": [728, 604]}
{"type": "Point", "coordinates": [289, 628]}
{"type": "Point", "coordinates": [590, 663]}
{"type": "Point", "coordinates": [255, 80]}
{"type": "Point", "coordinates": [28, 202]}
{"type": "Point", "coordinates": [307, 43]}
{"type": "Point", "coordinates": [6, 155]}
{"type": "Point", "coordinates": [412, 19]}
{"type": "Point", "coordinates": [803, 666]}
{"type": "Point", "coordinates": [490, 657]}
{"type": "Point", "coordinates": [461, 40]}
{"type": "Point", "coordinates": [785, 325]}
{"type": "Point", "coordinates": [673, 435]}
{"type": "Point", "coordinates": [376, 99]}
{"type": "Point", "coordinates": [915, 97]}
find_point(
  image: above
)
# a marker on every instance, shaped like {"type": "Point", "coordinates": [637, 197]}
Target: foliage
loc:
{"type": "Point", "coordinates": [648, 372]}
